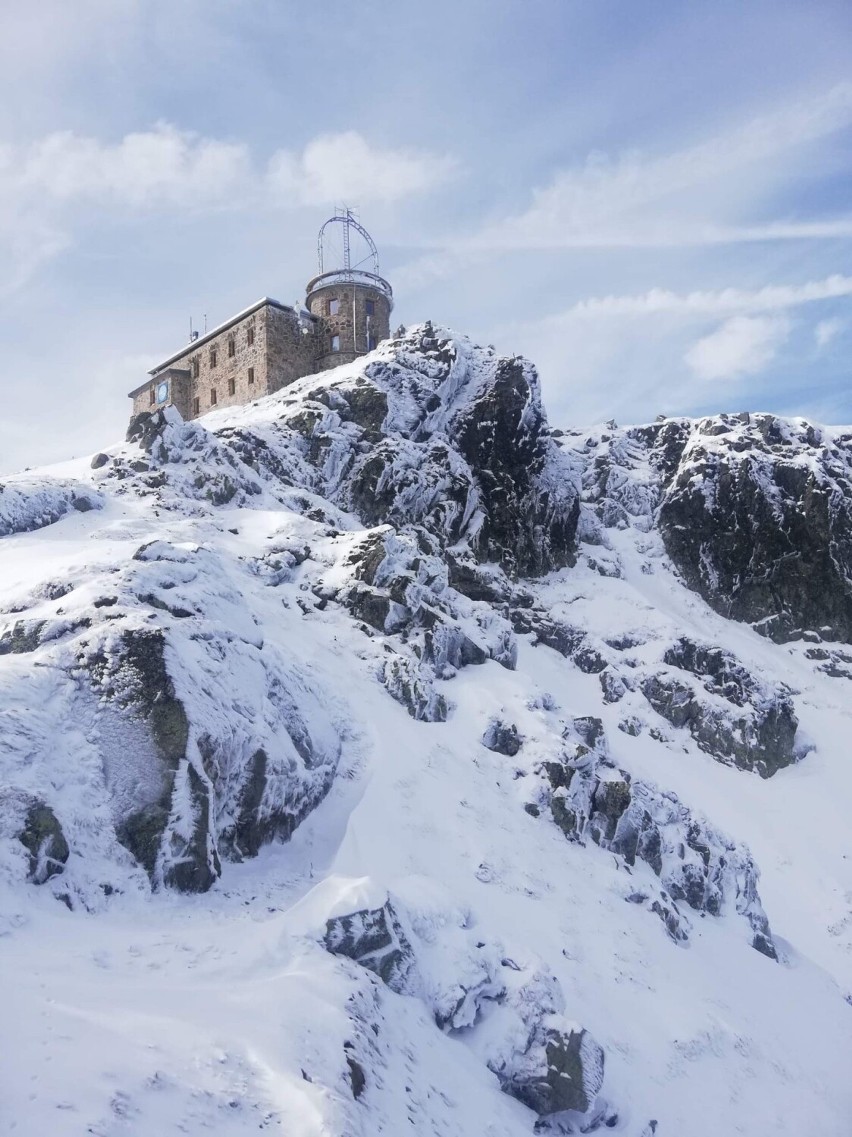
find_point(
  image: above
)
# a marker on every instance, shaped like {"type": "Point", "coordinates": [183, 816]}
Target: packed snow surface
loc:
{"type": "Point", "coordinates": [133, 1007]}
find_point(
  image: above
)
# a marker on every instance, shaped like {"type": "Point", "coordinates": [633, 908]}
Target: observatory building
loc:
{"type": "Point", "coordinates": [269, 345]}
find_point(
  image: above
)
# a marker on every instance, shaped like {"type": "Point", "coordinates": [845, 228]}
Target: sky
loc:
{"type": "Point", "coordinates": [650, 201]}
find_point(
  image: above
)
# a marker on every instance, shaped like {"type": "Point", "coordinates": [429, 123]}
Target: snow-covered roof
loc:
{"type": "Point", "coordinates": [195, 344]}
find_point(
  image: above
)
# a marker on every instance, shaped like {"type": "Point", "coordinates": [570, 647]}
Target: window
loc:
{"type": "Point", "coordinates": [213, 399]}
{"type": "Point", "coordinates": [196, 406]}
{"type": "Point", "coordinates": [251, 376]}
{"type": "Point", "coordinates": [371, 341]}
{"type": "Point", "coordinates": [232, 387]}
{"type": "Point", "coordinates": [370, 307]}
{"type": "Point", "coordinates": [333, 307]}
{"type": "Point", "coordinates": [250, 336]}
{"type": "Point", "coordinates": [335, 343]}
{"type": "Point", "coordinates": [232, 347]}
{"type": "Point", "coordinates": [214, 357]}
{"type": "Point", "coordinates": [153, 398]}
{"type": "Point", "coordinates": [196, 367]}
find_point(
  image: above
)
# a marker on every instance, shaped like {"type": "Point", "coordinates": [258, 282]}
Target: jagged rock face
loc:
{"type": "Point", "coordinates": [529, 525]}
{"type": "Point", "coordinates": [542, 1059]}
{"type": "Point", "coordinates": [760, 737]}
{"type": "Point", "coordinates": [696, 864]}
{"type": "Point", "coordinates": [224, 648]}
{"type": "Point", "coordinates": [757, 515]}
{"type": "Point", "coordinates": [437, 434]}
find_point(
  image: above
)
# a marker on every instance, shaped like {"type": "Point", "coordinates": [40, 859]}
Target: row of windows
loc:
{"type": "Point", "coordinates": [334, 307]}
{"type": "Point", "coordinates": [195, 362]}
{"type": "Point", "coordinates": [372, 342]}
{"type": "Point", "coordinates": [214, 394]}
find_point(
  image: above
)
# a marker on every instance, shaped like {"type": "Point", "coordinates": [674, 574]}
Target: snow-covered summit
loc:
{"type": "Point", "coordinates": [402, 764]}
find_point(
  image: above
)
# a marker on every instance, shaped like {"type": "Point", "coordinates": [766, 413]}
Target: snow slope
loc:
{"type": "Point", "coordinates": [366, 628]}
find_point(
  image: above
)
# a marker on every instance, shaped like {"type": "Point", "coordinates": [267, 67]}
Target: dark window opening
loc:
{"type": "Point", "coordinates": [370, 307]}
{"type": "Point", "coordinates": [196, 367]}
{"type": "Point", "coordinates": [232, 387]}
{"type": "Point", "coordinates": [250, 335]}
{"type": "Point", "coordinates": [196, 406]}
{"type": "Point", "coordinates": [333, 307]}
{"type": "Point", "coordinates": [372, 342]}
{"type": "Point", "coordinates": [251, 375]}
{"type": "Point", "coordinates": [232, 348]}
{"type": "Point", "coordinates": [335, 343]}
{"type": "Point", "coordinates": [153, 395]}
{"type": "Point", "coordinates": [214, 357]}
{"type": "Point", "coordinates": [213, 398]}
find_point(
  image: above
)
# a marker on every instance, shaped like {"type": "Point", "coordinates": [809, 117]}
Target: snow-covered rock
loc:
{"type": "Point", "coordinates": [440, 718]}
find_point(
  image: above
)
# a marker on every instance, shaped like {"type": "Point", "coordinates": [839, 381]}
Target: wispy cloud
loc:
{"type": "Point", "coordinates": [696, 195]}
{"type": "Point", "coordinates": [828, 330]}
{"type": "Point", "coordinates": [743, 345]}
{"type": "Point", "coordinates": [771, 298]}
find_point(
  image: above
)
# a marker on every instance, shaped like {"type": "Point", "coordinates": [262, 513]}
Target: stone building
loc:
{"type": "Point", "coordinates": [269, 345]}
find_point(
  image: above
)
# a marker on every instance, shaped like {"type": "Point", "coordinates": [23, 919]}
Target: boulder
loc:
{"type": "Point", "coordinates": [373, 938]}
{"type": "Point", "coordinates": [563, 1069]}
{"type": "Point", "coordinates": [45, 842]}
{"type": "Point", "coordinates": [502, 738]}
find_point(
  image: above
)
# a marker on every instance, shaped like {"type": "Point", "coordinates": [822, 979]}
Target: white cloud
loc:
{"type": "Point", "coordinates": [163, 166]}
{"type": "Point", "coordinates": [695, 195]}
{"type": "Point", "coordinates": [827, 330]}
{"type": "Point", "coordinates": [47, 185]}
{"type": "Point", "coordinates": [743, 345]}
{"type": "Point", "coordinates": [336, 167]}
{"type": "Point", "coordinates": [771, 298]}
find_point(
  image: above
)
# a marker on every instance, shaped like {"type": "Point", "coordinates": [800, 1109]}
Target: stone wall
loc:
{"type": "Point", "coordinates": [268, 348]}
{"type": "Point", "coordinates": [353, 332]}
{"type": "Point", "coordinates": [178, 392]}
{"type": "Point", "coordinates": [291, 348]}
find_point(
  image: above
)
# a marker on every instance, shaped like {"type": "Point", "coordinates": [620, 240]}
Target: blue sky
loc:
{"type": "Point", "coordinates": [650, 200]}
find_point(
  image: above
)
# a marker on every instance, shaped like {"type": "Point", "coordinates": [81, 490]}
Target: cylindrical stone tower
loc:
{"type": "Point", "coordinates": [352, 301]}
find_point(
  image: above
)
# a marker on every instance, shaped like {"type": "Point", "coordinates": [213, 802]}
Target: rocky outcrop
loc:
{"type": "Point", "coordinates": [540, 1057]}
{"type": "Point", "coordinates": [695, 864]}
{"type": "Point", "coordinates": [749, 722]}
{"type": "Point", "coordinates": [758, 518]}
{"type": "Point", "coordinates": [435, 434]}
{"type": "Point", "coordinates": [375, 939]}
{"type": "Point", "coordinates": [502, 738]}
{"type": "Point", "coordinates": [28, 502]}
{"type": "Point", "coordinates": [563, 1069]}
{"type": "Point", "coordinates": [42, 837]}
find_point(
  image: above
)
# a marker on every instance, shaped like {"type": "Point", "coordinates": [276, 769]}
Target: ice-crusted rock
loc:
{"type": "Point", "coordinates": [563, 1069]}
{"type": "Point", "coordinates": [754, 510]}
{"type": "Point", "coordinates": [695, 863]}
{"type": "Point", "coordinates": [502, 738]}
{"type": "Point", "coordinates": [29, 502]}
{"type": "Point", "coordinates": [754, 728]}
{"type": "Point", "coordinates": [200, 741]}
{"type": "Point", "coordinates": [375, 939]}
{"type": "Point", "coordinates": [448, 437]}
{"type": "Point", "coordinates": [41, 835]}
{"type": "Point", "coordinates": [758, 518]}
{"type": "Point", "coordinates": [513, 1011]}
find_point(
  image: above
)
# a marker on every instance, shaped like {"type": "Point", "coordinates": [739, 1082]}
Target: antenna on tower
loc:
{"type": "Point", "coordinates": [343, 239]}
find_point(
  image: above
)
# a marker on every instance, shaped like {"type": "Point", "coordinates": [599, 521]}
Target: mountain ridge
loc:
{"type": "Point", "coordinates": [261, 613]}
